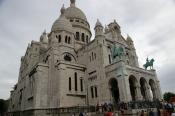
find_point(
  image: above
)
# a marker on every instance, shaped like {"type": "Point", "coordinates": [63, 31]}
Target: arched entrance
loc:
{"type": "Point", "coordinates": [114, 90]}
{"type": "Point", "coordinates": [133, 86]}
{"type": "Point", "coordinates": [153, 88]}
{"type": "Point", "coordinates": [143, 88]}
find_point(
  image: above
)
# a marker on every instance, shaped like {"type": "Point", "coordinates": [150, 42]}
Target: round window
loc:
{"type": "Point", "coordinates": [67, 58]}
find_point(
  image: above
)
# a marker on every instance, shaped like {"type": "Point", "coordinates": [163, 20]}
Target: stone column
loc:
{"type": "Point", "coordinates": [122, 90]}
{"type": "Point", "coordinates": [158, 91]}
{"type": "Point", "coordinates": [138, 93]}
{"type": "Point", "coordinates": [127, 92]}
{"type": "Point", "coordinates": [111, 99]}
{"type": "Point", "coordinates": [148, 95]}
{"type": "Point", "coordinates": [123, 82]}
{"type": "Point", "coordinates": [154, 91]}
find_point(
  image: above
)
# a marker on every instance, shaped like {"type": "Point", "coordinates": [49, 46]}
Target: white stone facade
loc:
{"type": "Point", "coordinates": [66, 69]}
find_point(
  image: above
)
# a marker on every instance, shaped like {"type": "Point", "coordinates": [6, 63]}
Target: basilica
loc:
{"type": "Point", "coordinates": [68, 68]}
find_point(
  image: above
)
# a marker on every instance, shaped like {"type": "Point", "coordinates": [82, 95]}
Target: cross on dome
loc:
{"type": "Point", "coordinates": [62, 10]}
{"type": "Point", "coordinates": [72, 2]}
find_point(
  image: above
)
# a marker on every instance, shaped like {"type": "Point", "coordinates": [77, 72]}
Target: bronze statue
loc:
{"type": "Point", "coordinates": [117, 52]}
{"type": "Point", "coordinates": [149, 63]}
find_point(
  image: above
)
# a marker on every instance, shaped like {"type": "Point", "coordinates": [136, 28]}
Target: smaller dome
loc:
{"type": "Point", "coordinates": [62, 24]}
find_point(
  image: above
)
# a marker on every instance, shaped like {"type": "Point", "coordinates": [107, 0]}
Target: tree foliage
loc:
{"type": "Point", "coordinates": [167, 96]}
{"type": "Point", "coordinates": [3, 106]}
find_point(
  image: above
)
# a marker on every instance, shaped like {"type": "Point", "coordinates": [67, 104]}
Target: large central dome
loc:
{"type": "Point", "coordinates": [74, 12]}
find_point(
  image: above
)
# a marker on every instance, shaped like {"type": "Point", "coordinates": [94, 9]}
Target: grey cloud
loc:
{"type": "Point", "coordinates": [5, 90]}
{"type": "Point", "coordinates": [166, 75]}
{"type": "Point", "coordinates": [164, 36]}
{"type": "Point", "coordinates": [1, 1]}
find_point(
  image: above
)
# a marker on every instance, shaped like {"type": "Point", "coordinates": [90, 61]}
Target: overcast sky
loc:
{"type": "Point", "coordinates": [151, 24]}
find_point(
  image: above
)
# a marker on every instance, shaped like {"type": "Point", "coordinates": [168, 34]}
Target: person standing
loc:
{"type": "Point", "coordinates": [151, 113]}
{"type": "Point", "coordinates": [81, 114]}
{"type": "Point", "coordinates": [142, 113]}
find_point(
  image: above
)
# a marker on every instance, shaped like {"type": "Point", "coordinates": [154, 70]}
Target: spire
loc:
{"type": "Point", "coordinates": [115, 21]}
{"type": "Point", "coordinates": [98, 28]}
{"type": "Point", "coordinates": [106, 28]}
{"type": "Point", "coordinates": [98, 23]}
{"type": "Point", "coordinates": [72, 2]}
{"type": "Point", "coordinates": [44, 37]}
{"type": "Point", "coordinates": [44, 32]}
{"type": "Point", "coordinates": [129, 38]}
{"type": "Point", "coordinates": [62, 10]}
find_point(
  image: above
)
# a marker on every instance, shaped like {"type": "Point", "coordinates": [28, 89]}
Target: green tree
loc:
{"type": "Point", "coordinates": [3, 106]}
{"type": "Point", "coordinates": [167, 96]}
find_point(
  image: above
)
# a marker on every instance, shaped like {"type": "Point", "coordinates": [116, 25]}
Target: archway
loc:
{"type": "Point", "coordinates": [143, 88]}
{"type": "Point", "coordinates": [153, 88]}
{"type": "Point", "coordinates": [133, 86]}
{"type": "Point", "coordinates": [114, 90]}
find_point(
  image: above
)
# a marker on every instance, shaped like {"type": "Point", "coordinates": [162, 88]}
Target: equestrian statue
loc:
{"type": "Point", "coordinates": [117, 52]}
{"type": "Point", "coordinates": [149, 63]}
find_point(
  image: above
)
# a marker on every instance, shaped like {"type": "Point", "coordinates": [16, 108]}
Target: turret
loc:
{"type": "Point", "coordinates": [114, 28]}
{"type": "Point", "coordinates": [130, 42]}
{"type": "Point", "coordinates": [106, 29]}
{"type": "Point", "coordinates": [98, 29]}
{"type": "Point", "coordinates": [132, 54]}
{"type": "Point", "coordinates": [44, 37]}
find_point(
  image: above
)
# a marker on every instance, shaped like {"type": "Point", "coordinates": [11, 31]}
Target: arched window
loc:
{"type": "Point", "coordinates": [75, 81]}
{"type": "Point", "coordinates": [109, 58]}
{"type": "Point", "coordinates": [70, 84]}
{"type": "Point", "coordinates": [69, 40]}
{"type": "Point", "coordinates": [92, 92]}
{"type": "Point", "coordinates": [87, 41]}
{"type": "Point", "coordinates": [77, 36]}
{"type": "Point", "coordinates": [66, 39]}
{"type": "Point", "coordinates": [81, 84]}
{"type": "Point", "coordinates": [59, 38]}
{"type": "Point", "coordinates": [82, 37]}
{"type": "Point", "coordinates": [96, 95]}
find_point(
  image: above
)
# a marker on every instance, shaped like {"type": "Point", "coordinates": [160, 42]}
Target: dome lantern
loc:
{"type": "Point", "coordinates": [72, 2]}
{"type": "Point", "coordinates": [62, 10]}
{"type": "Point", "coordinates": [74, 12]}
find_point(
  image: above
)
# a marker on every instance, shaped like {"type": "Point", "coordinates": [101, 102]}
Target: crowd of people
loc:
{"type": "Point", "coordinates": [162, 109]}
{"type": "Point", "coordinates": [169, 108]}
